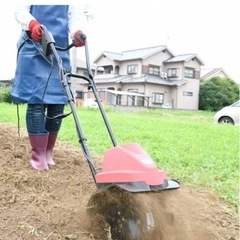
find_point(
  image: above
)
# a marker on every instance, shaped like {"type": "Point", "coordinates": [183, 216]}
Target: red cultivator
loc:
{"type": "Point", "coordinates": [127, 167]}
{"type": "Point", "coordinates": [131, 168]}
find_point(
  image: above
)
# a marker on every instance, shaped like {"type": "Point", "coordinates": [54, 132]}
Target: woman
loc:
{"type": "Point", "coordinates": [44, 96]}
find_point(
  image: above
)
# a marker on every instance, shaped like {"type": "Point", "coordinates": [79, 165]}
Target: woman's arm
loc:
{"type": "Point", "coordinates": [23, 16]}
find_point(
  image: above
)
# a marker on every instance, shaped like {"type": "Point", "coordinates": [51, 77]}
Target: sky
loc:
{"type": "Point", "coordinates": [208, 28]}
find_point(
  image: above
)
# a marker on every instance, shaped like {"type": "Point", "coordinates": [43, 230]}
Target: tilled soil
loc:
{"type": "Point", "coordinates": [54, 204]}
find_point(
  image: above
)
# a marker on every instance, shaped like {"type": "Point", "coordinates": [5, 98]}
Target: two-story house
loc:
{"type": "Point", "coordinates": [150, 77]}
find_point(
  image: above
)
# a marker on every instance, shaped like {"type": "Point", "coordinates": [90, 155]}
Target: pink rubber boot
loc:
{"type": "Point", "coordinates": [50, 145]}
{"type": "Point", "coordinates": [39, 144]}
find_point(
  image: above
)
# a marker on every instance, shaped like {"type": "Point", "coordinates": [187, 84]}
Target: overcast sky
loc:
{"type": "Point", "coordinates": [209, 28]}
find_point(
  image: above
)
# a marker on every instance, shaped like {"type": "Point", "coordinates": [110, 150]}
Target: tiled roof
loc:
{"type": "Point", "coordinates": [112, 55]}
{"type": "Point", "coordinates": [184, 58]}
{"type": "Point", "coordinates": [116, 79]}
{"type": "Point", "coordinates": [144, 79]}
{"type": "Point", "coordinates": [181, 58]}
{"type": "Point", "coordinates": [141, 53]}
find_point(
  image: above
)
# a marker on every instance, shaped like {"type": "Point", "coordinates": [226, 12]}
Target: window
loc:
{"type": "Point", "coordinates": [132, 69]}
{"type": "Point", "coordinates": [172, 72]}
{"type": "Point", "coordinates": [134, 90]}
{"type": "Point", "coordinates": [108, 69]}
{"type": "Point", "coordinates": [189, 72]}
{"type": "Point", "coordinates": [79, 95]}
{"type": "Point", "coordinates": [158, 98]}
{"type": "Point", "coordinates": [189, 94]}
{"type": "Point", "coordinates": [154, 70]}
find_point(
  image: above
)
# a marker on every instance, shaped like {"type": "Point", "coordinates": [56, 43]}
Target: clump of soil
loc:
{"type": "Point", "coordinates": [165, 215]}
{"type": "Point", "coordinates": [55, 204]}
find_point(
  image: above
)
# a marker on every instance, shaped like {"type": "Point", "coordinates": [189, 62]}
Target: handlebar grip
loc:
{"type": "Point", "coordinates": [79, 39]}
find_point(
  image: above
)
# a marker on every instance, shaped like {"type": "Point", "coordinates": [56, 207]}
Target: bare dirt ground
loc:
{"type": "Point", "coordinates": [53, 204]}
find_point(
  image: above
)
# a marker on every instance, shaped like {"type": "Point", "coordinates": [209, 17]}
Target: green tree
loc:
{"type": "Point", "coordinates": [5, 93]}
{"type": "Point", "coordinates": [217, 93]}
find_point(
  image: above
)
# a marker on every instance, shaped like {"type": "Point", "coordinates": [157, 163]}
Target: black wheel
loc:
{"type": "Point", "coordinates": [123, 225]}
{"type": "Point", "coordinates": [121, 211]}
{"type": "Point", "coordinates": [226, 120]}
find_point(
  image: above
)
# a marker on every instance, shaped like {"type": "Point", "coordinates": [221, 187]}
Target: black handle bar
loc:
{"type": "Point", "coordinates": [47, 39]}
{"type": "Point", "coordinates": [82, 36]}
{"type": "Point", "coordinates": [66, 48]}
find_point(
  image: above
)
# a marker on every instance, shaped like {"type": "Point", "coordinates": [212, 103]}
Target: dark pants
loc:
{"type": "Point", "coordinates": [37, 123]}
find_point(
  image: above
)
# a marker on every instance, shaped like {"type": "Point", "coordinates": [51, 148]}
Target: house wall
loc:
{"type": "Point", "coordinates": [173, 94]}
{"type": "Point", "coordinates": [166, 90]}
{"type": "Point", "coordinates": [186, 96]}
{"type": "Point", "coordinates": [194, 63]}
{"type": "Point", "coordinates": [184, 99]}
{"type": "Point", "coordinates": [124, 65]}
{"type": "Point", "coordinates": [139, 87]}
{"type": "Point", "coordinates": [148, 89]}
{"type": "Point", "coordinates": [177, 65]}
{"type": "Point", "coordinates": [104, 61]}
{"type": "Point", "coordinates": [157, 59]}
{"type": "Point", "coordinates": [113, 86]}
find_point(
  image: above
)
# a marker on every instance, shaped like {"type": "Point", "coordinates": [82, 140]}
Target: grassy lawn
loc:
{"type": "Point", "coordinates": [186, 144]}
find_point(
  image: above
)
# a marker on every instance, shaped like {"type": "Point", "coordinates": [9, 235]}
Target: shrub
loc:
{"type": "Point", "coordinates": [217, 93]}
{"type": "Point", "coordinates": [5, 94]}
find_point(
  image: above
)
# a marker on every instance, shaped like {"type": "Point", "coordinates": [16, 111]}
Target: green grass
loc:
{"type": "Point", "coordinates": [186, 144]}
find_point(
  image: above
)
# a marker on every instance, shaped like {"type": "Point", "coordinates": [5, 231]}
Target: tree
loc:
{"type": "Point", "coordinates": [217, 93]}
{"type": "Point", "coordinates": [5, 93]}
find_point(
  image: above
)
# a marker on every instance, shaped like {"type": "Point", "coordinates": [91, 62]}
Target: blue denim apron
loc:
{"type": "Point", "coordinates": [32, 69]}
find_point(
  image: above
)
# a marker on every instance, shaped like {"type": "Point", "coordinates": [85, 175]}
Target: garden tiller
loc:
{"type": "Point", "coordinates": [125, 167]}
